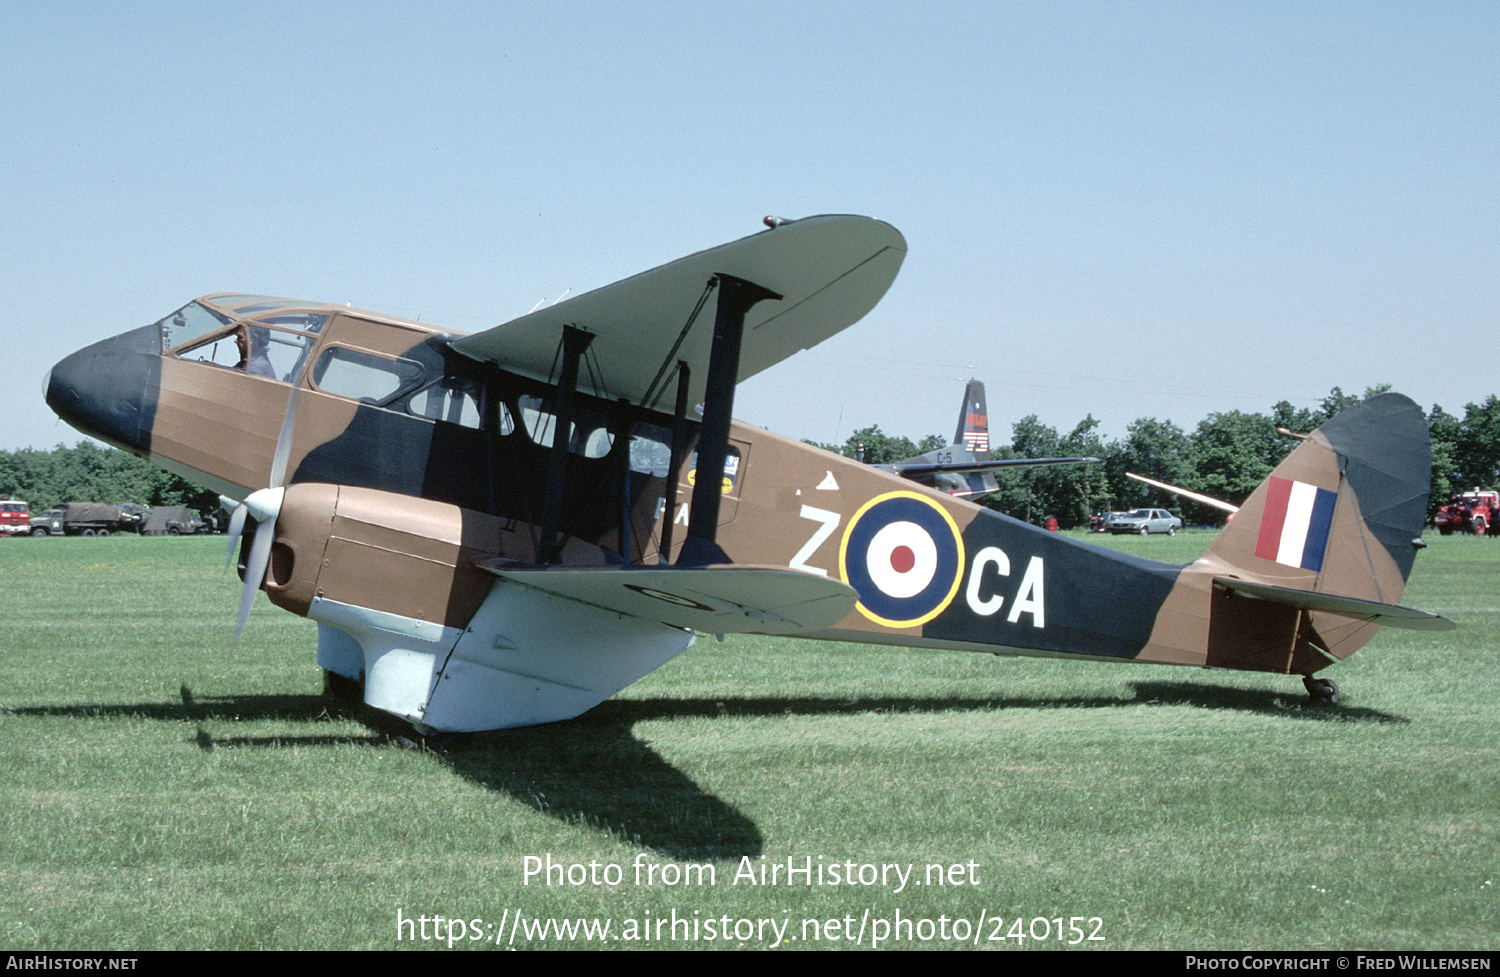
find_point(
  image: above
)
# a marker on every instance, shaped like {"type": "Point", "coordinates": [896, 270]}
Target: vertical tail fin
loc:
{"type": "Point", "coordinates": [1341, 518]}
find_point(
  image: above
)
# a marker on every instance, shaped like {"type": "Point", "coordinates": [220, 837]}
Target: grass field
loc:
{"type": "Point", "coordinates": [162, 791]}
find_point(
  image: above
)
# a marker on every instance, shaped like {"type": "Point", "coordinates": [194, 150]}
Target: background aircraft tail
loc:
{"type": "Point", "coordinates": [1330, 536]}
{"type": "Point", "coordinates": [974, 422]}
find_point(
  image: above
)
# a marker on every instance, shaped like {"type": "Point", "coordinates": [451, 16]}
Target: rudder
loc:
{"type": "Point", "coordinates": [1341, 515]}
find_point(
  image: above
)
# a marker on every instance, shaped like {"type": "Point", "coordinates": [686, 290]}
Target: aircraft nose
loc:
{"type": "Point", "coordinates": [109, 390]}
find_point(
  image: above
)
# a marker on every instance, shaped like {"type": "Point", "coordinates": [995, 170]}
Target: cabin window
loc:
{"type": "Point", "coordinates": [731, 470]}
{"type": "Point", "coordinates": [650, 450]}
{"type": "Point", "coordinates": [453, 401]}
{"type": "Point", "coordinates": [364, 376]}
{"type": "Point", "coordinates": [590, 436]}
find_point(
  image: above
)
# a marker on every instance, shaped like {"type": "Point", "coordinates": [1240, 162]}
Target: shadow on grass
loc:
{"type": "Point", "coordinates": [1290, 705]}
{"type": "Point", "coordinates": [595, 771]}
{"type": "Point", "coordinates": [592, 770]}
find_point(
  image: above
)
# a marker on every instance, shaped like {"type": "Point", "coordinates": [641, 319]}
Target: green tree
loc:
{"type": "Point", "coordinates": [883, 449]}
{"type": "Point", "coordinates": [1233, 452]}
{"type": "Point", "coordinates": [1153, 448]}
{"type": "Point", "coordinates": [1477, 445]}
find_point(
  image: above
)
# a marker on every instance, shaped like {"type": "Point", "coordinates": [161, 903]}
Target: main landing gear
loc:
{"type": "Point", "coordinates": [1321, 691]}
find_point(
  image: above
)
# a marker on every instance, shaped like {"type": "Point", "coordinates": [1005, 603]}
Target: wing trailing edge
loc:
{"type": "Point", "coordinates": [828, 270]}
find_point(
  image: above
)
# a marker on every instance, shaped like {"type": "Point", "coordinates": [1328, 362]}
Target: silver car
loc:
{"type": "Point", "coordinates": [1144, 521]}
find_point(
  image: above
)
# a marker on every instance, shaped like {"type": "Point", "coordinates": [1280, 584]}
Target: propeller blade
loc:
{"type": "Point", "coordinates": [284, 442]}
{"type": "Point", "coordinates": [264, 506]}
{"type": "Point", "coordinates": [236, 527]}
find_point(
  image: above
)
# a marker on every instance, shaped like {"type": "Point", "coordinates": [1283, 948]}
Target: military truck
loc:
{"type": "Point", "coordinates": [172, 520]}
{"type": "Point", "coordinates": [81, 519]}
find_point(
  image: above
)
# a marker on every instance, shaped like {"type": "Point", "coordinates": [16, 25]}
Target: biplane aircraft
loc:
{"type": "Point", "coordinates": [964, 468]}
{"type": "Point", "coordinates": [507, 528]}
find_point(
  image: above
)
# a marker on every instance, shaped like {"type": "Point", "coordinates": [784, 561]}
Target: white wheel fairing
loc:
{"type": "Point", "coordinates": [903, 554]}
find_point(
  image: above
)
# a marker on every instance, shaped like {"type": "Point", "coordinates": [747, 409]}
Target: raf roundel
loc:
{"type": "Point", "coordinates": [904, 556]}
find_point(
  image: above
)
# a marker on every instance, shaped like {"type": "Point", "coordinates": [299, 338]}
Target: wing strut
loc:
{"type": "Point", "coordinates": [575, 342]}
{"type": "Point", "coordinates": [736, 297]}
{"type": "Point", "coordinates": [679, 448]}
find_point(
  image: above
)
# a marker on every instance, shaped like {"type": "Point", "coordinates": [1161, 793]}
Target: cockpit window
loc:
{"type": "Point", "coordinates": [189, 323]}
{"type": "Point", "coordinates": [251, 305]}
{"type": "Point", "coordinates": [304, 321]}
{"type": "Point", "coordinates": [253, 349]}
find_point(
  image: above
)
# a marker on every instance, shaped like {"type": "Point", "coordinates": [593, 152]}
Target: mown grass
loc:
{"type": "Point", "coordinates": [163, 791]}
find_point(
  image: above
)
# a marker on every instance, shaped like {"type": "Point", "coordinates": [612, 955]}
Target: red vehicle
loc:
{"type": "Point", "coordinates": [15, 518]}
{"type": "Point", "coordinates": [1474, 512]}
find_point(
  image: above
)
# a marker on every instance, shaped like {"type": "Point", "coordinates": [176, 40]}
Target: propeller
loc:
{"type": "Point", "coordinates": [263, 505]}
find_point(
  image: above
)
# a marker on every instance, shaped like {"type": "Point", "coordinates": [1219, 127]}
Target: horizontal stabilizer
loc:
{"type": "Point", "coordinates": [715, 600]}
{"type": "Point", "coordinates": [1386, 615]}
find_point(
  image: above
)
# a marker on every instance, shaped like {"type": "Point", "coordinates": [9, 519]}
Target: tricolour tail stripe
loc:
{"type": "Point", "coordinates": [1294, 528]}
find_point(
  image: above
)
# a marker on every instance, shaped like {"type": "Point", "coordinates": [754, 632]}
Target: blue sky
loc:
{"type": "Point", "coordinates": [1118, 209]}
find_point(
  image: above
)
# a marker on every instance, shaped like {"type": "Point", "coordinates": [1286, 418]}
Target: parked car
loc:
{"type": "Point", "coordinates": [1100, 522]}
{"type": "Point", "coordinates": [1145, 521]}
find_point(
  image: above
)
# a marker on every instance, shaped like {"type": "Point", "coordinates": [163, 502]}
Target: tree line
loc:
{"type": "Point", "coordinates": [88, 472]}
{"type": "Point", "coordinates": [1226, 456]}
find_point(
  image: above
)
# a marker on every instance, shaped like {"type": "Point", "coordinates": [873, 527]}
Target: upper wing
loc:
{"type": "Point", "coordinates": [829, 270]}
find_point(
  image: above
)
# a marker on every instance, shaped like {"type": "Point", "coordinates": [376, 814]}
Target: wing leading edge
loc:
{"type": "Point", "coordinates": [735, 599]}
{"type": "Point", "coordinates": [830, 270]}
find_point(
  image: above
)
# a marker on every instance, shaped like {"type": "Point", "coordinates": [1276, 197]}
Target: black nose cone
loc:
{"type": "Point", "coordinates": [109, 390]}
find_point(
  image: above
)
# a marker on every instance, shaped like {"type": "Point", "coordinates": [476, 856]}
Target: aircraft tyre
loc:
{"type": "Point", "coordinates": [1321, 691]}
